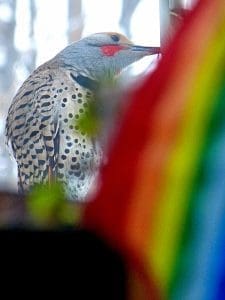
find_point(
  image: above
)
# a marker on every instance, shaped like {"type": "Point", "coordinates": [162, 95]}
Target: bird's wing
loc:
{"type": "Point", "coordinates": [33, 126]}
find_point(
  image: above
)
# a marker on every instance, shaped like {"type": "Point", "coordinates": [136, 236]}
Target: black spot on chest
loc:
{"type": "Point", "coordinates": [85, 82]}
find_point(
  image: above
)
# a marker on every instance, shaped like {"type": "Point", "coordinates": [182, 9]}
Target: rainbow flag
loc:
{"type": "Point", "coordinates": [162, 199]}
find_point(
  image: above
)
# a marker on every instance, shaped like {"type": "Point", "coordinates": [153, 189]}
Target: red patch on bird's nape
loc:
{"type": "Point", "coordinates": [111, 50]}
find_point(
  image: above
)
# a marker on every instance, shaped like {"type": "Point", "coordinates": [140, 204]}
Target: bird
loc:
{"type": "Point", "coordinates": [40, 128]}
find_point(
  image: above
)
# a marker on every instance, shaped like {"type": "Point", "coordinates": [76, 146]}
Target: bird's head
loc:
{"type": "Point", "coordinates": [103, 54]}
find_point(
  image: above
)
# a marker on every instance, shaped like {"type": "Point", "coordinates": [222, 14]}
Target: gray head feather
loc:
{"type": "Point", "coordinates": [88, 58]}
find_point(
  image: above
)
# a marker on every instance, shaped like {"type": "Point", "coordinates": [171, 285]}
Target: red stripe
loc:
{"type": "Point", "coordinates": [111, 50]}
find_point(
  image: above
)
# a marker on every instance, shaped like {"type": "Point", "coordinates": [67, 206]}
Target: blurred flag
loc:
{"type": "Point", "coordinates": [162, 198]}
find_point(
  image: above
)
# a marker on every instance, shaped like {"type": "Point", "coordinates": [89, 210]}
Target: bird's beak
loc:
{"type": "Point", "coordinates": [149, 50]}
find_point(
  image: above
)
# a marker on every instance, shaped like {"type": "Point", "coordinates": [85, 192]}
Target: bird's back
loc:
{"type": "Point", "coordinates": [41, 128]}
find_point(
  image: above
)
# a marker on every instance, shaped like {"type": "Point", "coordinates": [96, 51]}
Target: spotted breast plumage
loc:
{"type": "Point", "coordinates": [45, 140]}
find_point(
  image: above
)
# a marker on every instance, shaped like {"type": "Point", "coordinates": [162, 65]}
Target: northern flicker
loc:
{"type": "Point", "coordinates": [40, 124]}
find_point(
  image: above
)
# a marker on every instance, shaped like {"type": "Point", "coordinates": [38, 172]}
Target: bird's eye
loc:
{"type": "Point", "coordinates": [115, 38]}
